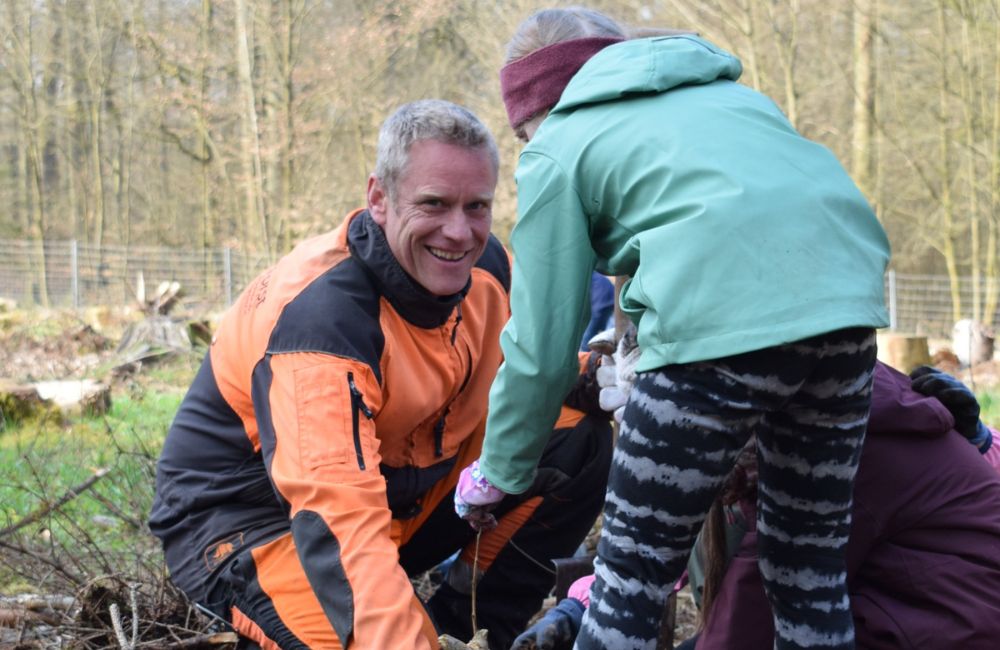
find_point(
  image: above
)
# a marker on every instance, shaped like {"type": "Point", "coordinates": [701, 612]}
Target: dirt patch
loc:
{"type": "Point", "coordinates": [50, 345]}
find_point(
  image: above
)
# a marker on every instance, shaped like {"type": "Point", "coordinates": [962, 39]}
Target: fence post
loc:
{"type": "Point", "coordinates": [893, 322]}
{"type": "Point", "coordinates": [227, 257]}
{"type": "Point", "coordinates": [75, 273]}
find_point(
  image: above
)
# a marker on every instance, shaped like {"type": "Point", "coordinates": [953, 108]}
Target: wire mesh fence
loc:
{"type": "Point", "coordinates": [79, 275]}
{"type": "Point", "coordinates": [923, 304]}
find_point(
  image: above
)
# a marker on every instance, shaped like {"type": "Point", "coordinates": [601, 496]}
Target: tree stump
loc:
{"type": "Point", "coordinates": [76, 396]}
{"type": "Point", "coordinates": [21, 402]}
{"type": "Point", "coordinates": [904, 352]}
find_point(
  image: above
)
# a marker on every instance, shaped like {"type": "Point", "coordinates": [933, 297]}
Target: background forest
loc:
{"type": "Point", "coordinates": [252, 123]}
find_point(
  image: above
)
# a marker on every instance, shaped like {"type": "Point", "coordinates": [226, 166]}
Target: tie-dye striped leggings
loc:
{"type": "Point", "coordinates": [683, 426]}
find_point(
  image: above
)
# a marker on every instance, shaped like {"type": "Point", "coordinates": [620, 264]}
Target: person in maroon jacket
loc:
{"type": "Point", "coordinates": [923, 556]}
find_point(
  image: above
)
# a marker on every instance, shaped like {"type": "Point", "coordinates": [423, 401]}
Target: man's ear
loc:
{"type": "Point", "coordinates": [378, 200]}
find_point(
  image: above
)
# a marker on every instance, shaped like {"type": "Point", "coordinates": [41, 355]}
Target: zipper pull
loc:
{"type": "Point", "coordinates": [458, 319]}
{"type": "Point", "coordinates": [439, 436]}
{"type": "Point", "coordinates": [357, 404]}
{"type": "Point", "coordinates": [357, 397]}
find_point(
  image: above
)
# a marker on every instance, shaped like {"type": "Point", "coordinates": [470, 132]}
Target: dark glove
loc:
{"type": "Point", "coordinates": [556, 630]}
{"type": "Point", "coordinates": [958, 399]}
{"type": "Point", "coordinates": [585, 394]}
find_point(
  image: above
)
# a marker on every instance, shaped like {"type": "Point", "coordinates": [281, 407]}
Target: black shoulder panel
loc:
{"type": "Point", "coordinates": [336, 314]}
{"type": "Point", "coordinates": [494, 259]}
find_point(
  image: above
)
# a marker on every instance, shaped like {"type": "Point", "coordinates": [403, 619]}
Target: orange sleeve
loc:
{"type": "Point", "coordinates": [325, 464]}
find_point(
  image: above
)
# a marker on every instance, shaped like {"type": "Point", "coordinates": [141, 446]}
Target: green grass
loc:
{"type": "Point", "coordinates": [40, 462]}
{"type": "Point", "coordinates": [989, 403]}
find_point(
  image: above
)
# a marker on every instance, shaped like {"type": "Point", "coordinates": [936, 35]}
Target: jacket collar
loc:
{"type": "Point", "coordinates": [420, 307]}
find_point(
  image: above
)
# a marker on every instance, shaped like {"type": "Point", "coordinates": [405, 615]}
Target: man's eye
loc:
{"type": "Point", "coordinates": [433, 203]}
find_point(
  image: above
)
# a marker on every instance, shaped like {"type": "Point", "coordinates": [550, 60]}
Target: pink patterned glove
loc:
{"type": "Point", "coordinates": [475, 497]}
{"type": "Point", "coordinates": [580, 589]}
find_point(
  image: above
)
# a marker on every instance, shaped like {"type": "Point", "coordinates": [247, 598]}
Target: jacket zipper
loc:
{"type": "Point", "coordinates": [439, 435]}
{"type": "Point", "coordinates": [458, 319]}
{"type": "Point", "coordinates": [439, 426]}
{"type": "Point", "coordinates": [357, 404]}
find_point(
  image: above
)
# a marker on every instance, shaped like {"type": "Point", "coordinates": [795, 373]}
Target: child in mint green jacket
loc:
{"type": "Point", "coordinates": [755, 278]}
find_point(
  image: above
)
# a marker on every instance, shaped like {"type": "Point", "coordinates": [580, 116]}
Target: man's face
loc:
{"type": "Point", "coordinates": [439, 222]}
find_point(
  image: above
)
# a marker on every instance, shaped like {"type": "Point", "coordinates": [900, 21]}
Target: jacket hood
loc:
{"type": "Point", "coordinates": [897, 409]}
{"type": "Point", "coordinates": [648, 65]}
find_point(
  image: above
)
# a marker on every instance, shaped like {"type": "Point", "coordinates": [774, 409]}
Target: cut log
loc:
{"type": "Point", "coordinates": [83, 397]}
{"type": "Point", "coordinates": [21, 402]}
{"type": "Point", "coordinates": [904, 352]}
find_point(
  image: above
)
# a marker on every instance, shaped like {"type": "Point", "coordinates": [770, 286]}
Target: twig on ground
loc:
{"type": "Point", "coordinates": [46, 508]}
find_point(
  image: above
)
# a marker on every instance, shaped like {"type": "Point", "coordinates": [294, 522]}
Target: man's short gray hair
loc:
{"type": "Point", "coordinates": [427, 119]}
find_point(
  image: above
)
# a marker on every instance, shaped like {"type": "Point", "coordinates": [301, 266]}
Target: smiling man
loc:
{"type": "Point", "coordinates": [311, 468]}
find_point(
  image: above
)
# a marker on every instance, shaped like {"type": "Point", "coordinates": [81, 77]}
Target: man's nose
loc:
{"type": "Point", "coordinates": [457, 225]}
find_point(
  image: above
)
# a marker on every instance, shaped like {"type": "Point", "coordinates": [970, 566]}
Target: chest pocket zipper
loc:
{"type": "Point", "coordinates": [439, 434]}
{"type": "Point", "coordinates": [357, 405]}
{"type": "Point", "coordinates": [439, 426]}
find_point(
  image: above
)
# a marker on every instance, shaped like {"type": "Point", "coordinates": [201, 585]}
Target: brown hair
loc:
{"type": "Point", "coordinates": [740, 485]}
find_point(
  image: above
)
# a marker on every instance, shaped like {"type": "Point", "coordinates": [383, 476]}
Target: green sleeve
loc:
{"type": "Point", "coordinates": [550, 308]}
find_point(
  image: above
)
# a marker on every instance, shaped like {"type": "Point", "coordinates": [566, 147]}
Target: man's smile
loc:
{"type": "Point", "coordinates": [448, 256]}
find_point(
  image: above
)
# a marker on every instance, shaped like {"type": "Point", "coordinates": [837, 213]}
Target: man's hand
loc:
{"type": "Point", "coordinates": [475, 497]}
{"type": "Point", "coordinates": [958, 399]}
{"type": "Point", "coordinates": [556, 630]}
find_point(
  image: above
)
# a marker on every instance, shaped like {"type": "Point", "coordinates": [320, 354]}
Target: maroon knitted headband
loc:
{"type": "Point", "coordinates": [535, 82]}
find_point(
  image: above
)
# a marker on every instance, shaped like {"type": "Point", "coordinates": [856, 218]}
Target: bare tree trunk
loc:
{"type": "Point", "coordinates": [968, 77]}
{"type": "Point", "coordinates": [207, 217]}
{"type": "Point", "coordinates": [748, 25]}
{"type": "Point", "coordinates": [862, 159]}
{"type": "Point", "coordinates": [22, 59]}
{"type": "Point", "coordinates": [992, 270]}
{"type": "Point", "coordinates": [22, 207]}
{"type": "Point", "coordinates": [253, 188]}
{"type": "Point", "coordinates": [944, 153]}
{"type": "Point", "coordinates": [787, 45]}
{"type": "Point", "coordinates": [126, 125]}
{"type": "Point", "coordinates": [69, 117]}
{"type": "Point", "coordinates": [288, 54]}
{"type": "Point", "coordinates": [95, 91]}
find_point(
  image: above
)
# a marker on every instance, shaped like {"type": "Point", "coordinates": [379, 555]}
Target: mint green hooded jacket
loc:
{"type": "Point", "coordinates": [735, 232]}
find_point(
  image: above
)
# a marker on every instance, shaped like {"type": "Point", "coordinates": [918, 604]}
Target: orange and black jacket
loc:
{"type": "Point", "coordinates": [335, 393]}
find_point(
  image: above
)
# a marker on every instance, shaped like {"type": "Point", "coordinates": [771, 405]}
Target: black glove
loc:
{"type": "Point", "coordinates": [958, 399]}
{"type": "Point", "coordinates": [585, 394]}
{"type": "Point", "coordinates": [556, 630]}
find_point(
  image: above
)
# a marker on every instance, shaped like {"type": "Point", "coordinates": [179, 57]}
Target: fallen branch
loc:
{"type": "Point", "coordinates": [200, 642]}
{"type": "Point", "coordinates": [12, 617]}
{"type": "Point", "coordinates": [36, 602]}
{"type": "Point", "coordinates": [46, 508]}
